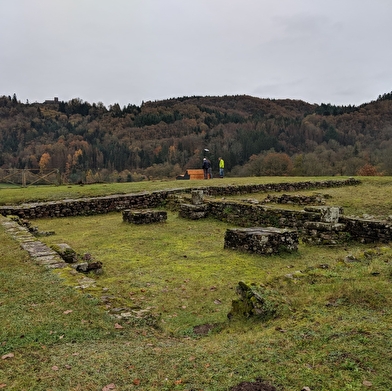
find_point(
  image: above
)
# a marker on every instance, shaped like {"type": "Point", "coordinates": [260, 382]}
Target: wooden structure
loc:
{"type": "Point", "coordinates": [192, 174]}
{"type": "Point", "coordinates": [26, 177]}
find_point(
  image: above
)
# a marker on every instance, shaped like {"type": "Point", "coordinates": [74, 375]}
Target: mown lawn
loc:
{"type": "Point", "coordinates": [335, 336]}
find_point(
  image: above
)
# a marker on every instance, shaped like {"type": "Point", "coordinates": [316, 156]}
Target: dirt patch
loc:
{"type": "Point", "coordinates": [258, 385]}
{"type": "Point", "coordinates": [203, 329]}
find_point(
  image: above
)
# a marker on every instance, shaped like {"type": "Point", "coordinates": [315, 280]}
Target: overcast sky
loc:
{"type": "Point", "coordinates": [129, 51]}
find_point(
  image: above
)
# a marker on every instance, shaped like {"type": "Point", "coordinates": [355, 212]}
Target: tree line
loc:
{"type": "Point", "coordinates": [161, 139]}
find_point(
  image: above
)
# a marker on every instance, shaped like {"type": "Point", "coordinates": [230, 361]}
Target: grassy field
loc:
{"type": "Point", "coordinates": [17, 195]}
{"type": "Point", "coordinates": [336, 334]}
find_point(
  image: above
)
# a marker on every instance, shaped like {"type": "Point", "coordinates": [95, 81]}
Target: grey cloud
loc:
{"type": "Point", "coordinates": [128, 51]}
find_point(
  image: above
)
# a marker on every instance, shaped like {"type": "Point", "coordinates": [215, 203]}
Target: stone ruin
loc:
{"type": "Point", "coordinates": [316, 199]}
{"type": "Point", "coordinates": [264, 241]}
{"type": "Point", "coordinates": [82, 264]}
{"type": "Point", "coordinates": [106, 204]}
{"type": "Point", "coordinates": [66, 252]}
{"type": "Point", "coordinates": [257, 301]}
{"type": "Point", "coordinates": [31, 228]}
{"type": "Point", "coordinates": [197, 209]}
{"type": "Point", "coordinates": [327, 231]}
{"type": "Point", "coordinates": [315, 225]}
{"type": "Point", "coordinates": [145, 216]}
{"type": "Point", "coordinates": [55, 257]}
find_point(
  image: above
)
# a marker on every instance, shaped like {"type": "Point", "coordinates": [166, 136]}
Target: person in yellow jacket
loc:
{"type": "Point", "coordinates": [221, 167]}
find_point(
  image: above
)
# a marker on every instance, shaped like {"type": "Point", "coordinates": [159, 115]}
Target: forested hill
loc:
{"type": "Point", "coordinates": [161, 139]}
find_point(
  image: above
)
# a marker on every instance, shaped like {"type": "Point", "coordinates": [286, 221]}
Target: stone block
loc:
{"type": "Point", "coordinates": [320, 233]}
{"type": "Point", "coordinates": [324, 227]}
{"type": "Point", "coordinates": [193, 212]}
{"type": "Point", "coordinates": [66, 252]}
{"type": "Point", "coordinates": [145, 216]}
{"type": "Point", "coordinates": [330, 214]}
{"type": "Point", "coordinates": [257, 301]}
{"type": "Point", "coordinates": [197, 197]}
{"type": "Point", "coordinates": [265, 241]}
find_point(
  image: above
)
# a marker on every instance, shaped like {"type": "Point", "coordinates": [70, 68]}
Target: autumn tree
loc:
{"type": "Point", "coordinates": [368, 170]}
{"type": "Point", "coordinates": [79, 136]}
{"type": "Point", "coordinates": [277, 164]}
{"type": "Point", "coordinates": [44, 161]}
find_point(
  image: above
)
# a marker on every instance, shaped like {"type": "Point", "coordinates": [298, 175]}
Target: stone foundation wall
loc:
{"type": "Point", "coordinates": [295, 199]}
{"type": "Point", "coordinates": [311, 223]}
{"type": "Point", "coordinates": [100, 205]}
{"type": "Point", "coordinates": [324, 233]}
{"type": "Point", "coordinates": [145, 216]}
{"type": "Point", "coordinates": [246, 215]}
{"type": "Point", "coordinates": [264, 241]}
{"type": "Point", "coordinates": [193, 212]}
{"type": "Point", "coordinates": [87, 206]}
{"type": "Point", "coordinates": [277, 187]}
{"type": "Point", "coordinates": [367, 231]}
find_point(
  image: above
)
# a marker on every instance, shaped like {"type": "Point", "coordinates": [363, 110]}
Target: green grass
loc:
{"type": "Point", "coordinates": [372, 197]}
{"type": "Point", "coordinates": [336, 336]}
{"type": "Point", "coordinates": [17, 195]}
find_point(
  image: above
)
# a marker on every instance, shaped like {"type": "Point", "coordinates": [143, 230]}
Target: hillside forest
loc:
{"type": "Point", "coordinates": [93, 143]}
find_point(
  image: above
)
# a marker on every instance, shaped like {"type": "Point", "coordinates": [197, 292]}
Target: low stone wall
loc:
{"type": "Point", "coordinates": [246, 215]}
{"type": "Point", "coordinates": [315, 225]}
{"type": "Point", "coordinates": [193, 212]}
{"type": "Point", "coordinates": [295, 199]}
{"type": "Point", "coordinates": [145, 216]}
{"type": "Point", "coordinates": [277, 187]}
{"type": "Point", "coordinates": [100, 205]}
{"type": "Point", "coordinates": [367, 231]}
{"type": "Point", "coordinates": [324, 233]}
{"type": "Point", "coordinates": [87, 206]}
{"type": "Point", "coordinates": [264, 241]}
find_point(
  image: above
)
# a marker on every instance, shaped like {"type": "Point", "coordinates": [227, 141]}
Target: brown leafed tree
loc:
{"type": "Point", "coordinates": [276, 164]}
{"type": "Point", "coordinates": [368, 170]}
{"type": "Point", "coordinates": [44, 161]}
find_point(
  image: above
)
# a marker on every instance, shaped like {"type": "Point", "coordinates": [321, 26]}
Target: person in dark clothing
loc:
{"type": "Point", "coordinates": [209, 169]}
{"type": "Point", "coordinates": [205, 167]}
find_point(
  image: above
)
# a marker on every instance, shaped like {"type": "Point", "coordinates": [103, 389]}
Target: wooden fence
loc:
{"type": "Point", "coordinates": [28, 177]}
